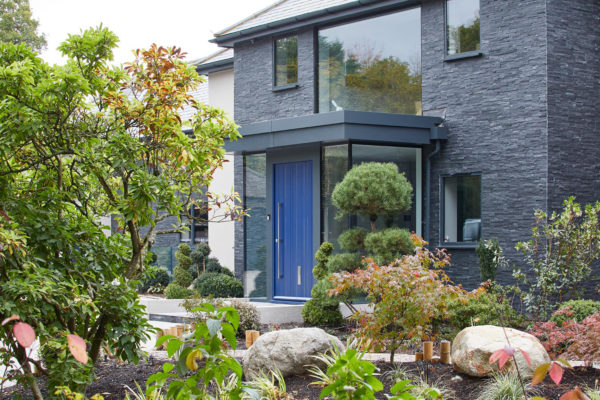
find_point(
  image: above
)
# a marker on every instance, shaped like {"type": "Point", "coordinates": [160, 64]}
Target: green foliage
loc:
{"type": "Point", "coordinates": [559, 255]}
{"type": "Point", "coordinates": [504, 387]}
{"type": "Point", "coordinates": [344, 262]}
{"type": "Point", "coordinates": [176, 291]}
{"type": "Point", "coordinates": [249, 316]}
{"type": "Point", "coordinates": [213, 265]}
{"type": "Point", "coordinates": [66, 370]}
{"type": "Point", "coordinates": [372, 190]}
{"type": "Point", "coordinates": [270, 387]}
{"type": "Point", "coordinates": [154, 277]}
{"type": "Point", "coordinates": [490, 258]}
{"type": "Point", "coordinates": [182, 277]}
{"type": "Point", "coordinates": [406, 297]}
{"type": "Point", "coordinates": [578, 311]}
{"type": "Point", "coordinates": [17, 25]}
{"type": "Point", "coordinates": [321, 312]}
{"type": "Point", "coordinates": [348, 376]}
{"type": "Point", "coordinates": [353, 239]}
{"type": "Point", "coordinates": [203, 360]}
{"type": "Point", "coordinates": [322, 257]}
{"type": "Point", "coordinates": [212, 284]}
{"type": "Point", "coordinates": [182, 255]}
{"type": "Point", "coordinates": [482, 308]}
{"type": "Point", "coordinates": [389, 244]}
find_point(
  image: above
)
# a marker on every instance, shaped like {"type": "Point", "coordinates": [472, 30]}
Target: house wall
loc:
{"type": "Point", "coordinates": [254, 97]}
{"type": "Point", "coordinates": [574, 104]}
{"type": "Point", "coordinates": [221, 234]}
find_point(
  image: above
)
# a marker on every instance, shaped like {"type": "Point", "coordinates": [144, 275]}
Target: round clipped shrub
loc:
{"type": "Point", "coordinates": [389, 244]}
{"type": "Point", "coordinates": [182, 277]}
{"type": "Point", "coordinates": [353, 239]}
{"type": "Point", "coordinates": [175, 291]}
{"type": "Point", "coordinates": [344, 262]}
{"type": "Point", "coordinates": [153, 277]}
{"type": "Point", "coordinates": [212, 284]}
{"type": "Point", "coordinates": [580, 310]}
{"type": "Point", "coordinates": [318, 313]}
{"type": "Point", "coordinates": [213, 265]}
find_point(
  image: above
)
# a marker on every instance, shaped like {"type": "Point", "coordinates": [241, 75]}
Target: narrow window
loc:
{"type": "Point", "coordinates": [462, 26]}
{"type": "Point", "coordinates": [286, 61]}
{"type": "Point", "coordinates": [196, 221]}
{"type": "Point", "coordinates": [462, 208]}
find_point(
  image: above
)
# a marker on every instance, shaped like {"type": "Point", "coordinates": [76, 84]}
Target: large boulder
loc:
{"type": "Point", "coordinates": [292, 351]}
{"type": "Point", "coordinates": [473, 346]}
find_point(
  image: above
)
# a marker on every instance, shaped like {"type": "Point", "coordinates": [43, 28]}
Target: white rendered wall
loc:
{"type": "Point", "coordinates": [221, 234]}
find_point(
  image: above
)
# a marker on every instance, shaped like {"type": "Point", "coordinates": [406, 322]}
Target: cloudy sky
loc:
{"type": "Point", "coordinates": [188, 24]}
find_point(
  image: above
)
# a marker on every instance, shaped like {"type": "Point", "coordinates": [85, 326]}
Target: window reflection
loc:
{"type": "Point", "coordinates": [286, 61]}
{"type": "Point", "coordinates": [255, 199]}
{"type": "Point", "coordinates": [372, 65]}
{"type": "Point", "coordinates": [333, 169]}
{"type": "Point", "coordinates": [462, 208]}
{"type": "Point", "coordinates": [462, 26]}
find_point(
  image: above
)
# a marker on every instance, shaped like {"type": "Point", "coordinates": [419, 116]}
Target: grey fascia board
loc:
{"type": "Point", "coordinates": [215, 66]}
{"type": "Point", "coordinates": [329, 15]}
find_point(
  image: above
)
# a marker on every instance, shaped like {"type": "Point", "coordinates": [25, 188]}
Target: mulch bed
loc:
{"type": "Point", "coordinates": [113, 377]}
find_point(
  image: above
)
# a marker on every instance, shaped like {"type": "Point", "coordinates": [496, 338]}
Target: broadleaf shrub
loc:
{"type": "Point", "coordinates": [248, 313]}
{"type": "Point", "coordinates": [176, 291]}
{"type": "Point", "coordinates": [212, 284]}
{"type": "Point", "coordinates": [576, 310]}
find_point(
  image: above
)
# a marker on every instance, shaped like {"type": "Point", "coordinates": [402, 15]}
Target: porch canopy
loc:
{"type": "Point", "coordinates": [339, 126]}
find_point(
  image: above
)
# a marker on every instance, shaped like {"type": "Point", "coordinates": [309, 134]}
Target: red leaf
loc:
{"type": "Point", "coordinates": [24, 334]}
{"type": "Point", "coordinates": [502, 356]}
{"type": "Point", "coordinates": [77, 348]}
{"type": "Point", "coordinates": [503, 360]}
{"type": "Point", "coordinates": [496, 355]}
{"type": "Point", "coordinates": [526, 357]}
{"type": "Point", "coordinates": [11, 318]}
{"type": "Point", "coordinates": [575, 394]}
{"type": "Point", "coordinates": [556, 373]}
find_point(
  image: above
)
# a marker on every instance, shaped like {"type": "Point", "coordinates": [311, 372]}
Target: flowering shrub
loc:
{"type": "Point", "coordinates": [573, 340]}
{"type": "Point", "coordinates": [406, 296]}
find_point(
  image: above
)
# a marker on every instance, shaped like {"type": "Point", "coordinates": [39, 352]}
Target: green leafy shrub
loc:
{"type": "Point", "coordinates": [320, 312]}
{"type": "Point", "coordinates": [353, 239]}
{"type": "Point", "coordinates": [480, 309]}
{"type": "Point", "coordinates": [248, 313]}
{"type": "Point", "coordinates": [182, 255]}
{"type": "Point", "coordinates": [389, 244]}
{"type": "Point", "coordinates": [579, 310]}
{"type": "Point", "coordinates": [212, 284]}
{"type": "Point", "coordinates": [175, 291]}
{"type": "Point", "coordinates": [213, 265]}
{"type": "Point", "coordinates": [182, 277]}
{"type": "Point", "coordinates": [153, 277]}
{"type": "Point", "coordinates": [490, 257]}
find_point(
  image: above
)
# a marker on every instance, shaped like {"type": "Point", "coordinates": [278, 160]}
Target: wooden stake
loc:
{"type": "Point", "coordinates": [427, 350]}
{"type": "Point", "coordinates": [180, 329]}
{"type": "Point", "coordinates": [435, 359]}
{"type": "Point", "coordinates": [418, 356]}
{"type": "Point", "coordinates": [255, 336]}
{"type": "Point", "coordinates": [248, 339]}
{"type": "Point", "coordinates": [444, 346]}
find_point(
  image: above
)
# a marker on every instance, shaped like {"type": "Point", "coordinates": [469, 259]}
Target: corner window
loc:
{"type": "Point", "coordinates": [462, 208]}
{"type": "Point", "coordinates": [462, 26]}
{"type": "Point", "coordinates": [286, 61]}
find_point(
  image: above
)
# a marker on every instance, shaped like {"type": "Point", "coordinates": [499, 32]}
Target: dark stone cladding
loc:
{"type": "Point", "coordinates": [524, 114]}
{"type": "Point", "coordinates": [254, 98]}
{"type": "Point", "coordinates": [574, 104]}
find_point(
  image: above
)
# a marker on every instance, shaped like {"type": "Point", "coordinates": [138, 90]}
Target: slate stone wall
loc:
{"type": "Point", "coordinates": [496, 114]}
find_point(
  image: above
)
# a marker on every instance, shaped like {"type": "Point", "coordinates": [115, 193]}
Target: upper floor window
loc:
{"type": "Point", "coordinates": [372, 65]}
{"type": "Point", "coordinates": [462, 208]}
{"type": "Point", "coordinates": [462, 26]}
{"type": "Point", "coordinates": [286, 61]}
{"type": "Point", "coordinates": [196, 221]}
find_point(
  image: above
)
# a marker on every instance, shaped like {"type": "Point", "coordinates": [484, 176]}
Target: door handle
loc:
{"type": "Point", "coordinates": [278, 240]}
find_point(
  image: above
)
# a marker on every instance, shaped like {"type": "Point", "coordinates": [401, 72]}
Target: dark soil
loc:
{"type": "Point", "coordinates": [113, 377]}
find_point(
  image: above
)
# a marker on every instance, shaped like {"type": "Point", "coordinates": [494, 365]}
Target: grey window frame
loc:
{"type": "Point", "coordinates": [466, 54]}
{"type": "Point", "coordinates": [442, 205]}
{"type": "Point", "coordinates": [275, 87]}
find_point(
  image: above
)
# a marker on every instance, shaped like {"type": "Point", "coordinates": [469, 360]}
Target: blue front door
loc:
{"type": "Point", "coordinates": [292, 230]}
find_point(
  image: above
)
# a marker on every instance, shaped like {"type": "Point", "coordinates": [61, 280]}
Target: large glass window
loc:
{"type": "Point", "coordinates": [334, 165]}
{"type": "Point", "coordinates": [462, 208]}
{"type": "Point", "coordinates": [255, 200]}
{"type": "Point", "coordinates": [286, 61]}
{"type": "Point", "coordinates": [462, 26]}
{"type": "Point", "coordinates": [372, 64]}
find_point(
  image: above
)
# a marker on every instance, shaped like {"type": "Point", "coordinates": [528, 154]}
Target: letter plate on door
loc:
{"type": "Point", "coordinates": [299, 275]}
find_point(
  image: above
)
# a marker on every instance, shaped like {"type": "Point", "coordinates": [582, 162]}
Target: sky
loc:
{"type": "Point", "coordinates": [188, 24]}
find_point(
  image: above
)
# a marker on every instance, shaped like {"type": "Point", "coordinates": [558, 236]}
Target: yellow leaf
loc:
{"type": "Point", "coordinates": [192, 358]}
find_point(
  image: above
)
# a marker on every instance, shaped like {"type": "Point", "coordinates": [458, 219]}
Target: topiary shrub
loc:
{"type": "Point", "coordinates": [182, 277]}
{"type": "Point", "coordinates": [389, 244]}
{"type": "Point", "coordinates": [344, 262]}
{"type": "Point", "coordinates": [322, 256]}
{"type": "Point", "coordinates": [579, 310]}
{"type": "Point", "coordinates": [353, 239]}
{"type": "Point", "coordinates": [175, 291]}
{"type": "Point", "coordinates": [213, 265]}
{"type": "Point", "coordinates": [317, 312]}
{"type": "Point", "coordinates": [154, 277]}
{"type": "Point", "coordinates": [212, 284]}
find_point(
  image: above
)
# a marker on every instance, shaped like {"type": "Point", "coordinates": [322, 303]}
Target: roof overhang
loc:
{"type": "Point", "coordinates": [331, 15]}
{"type": "Point", "coordinates": [221, 65]}
{"type": "Point", "coordinates": [339, 126]}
